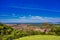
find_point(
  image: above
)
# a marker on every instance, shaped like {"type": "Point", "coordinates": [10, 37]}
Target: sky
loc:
{"type": "Point", "coordinates": [29, 11]}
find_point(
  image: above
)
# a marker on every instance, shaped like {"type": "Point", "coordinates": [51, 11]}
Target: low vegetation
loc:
{"type": "Point", "coordinates": [40, 37]}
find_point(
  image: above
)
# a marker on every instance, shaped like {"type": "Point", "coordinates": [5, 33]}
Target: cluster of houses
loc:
{"type": "Point", "coordinates": [27, 26]}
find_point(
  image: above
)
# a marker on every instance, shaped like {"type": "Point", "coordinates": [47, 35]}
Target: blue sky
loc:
{"type": "Point", "coordinates": [29, 11]}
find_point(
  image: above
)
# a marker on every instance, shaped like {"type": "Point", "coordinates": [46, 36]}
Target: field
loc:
{"type": "Point", "coordinates": [40, 37]}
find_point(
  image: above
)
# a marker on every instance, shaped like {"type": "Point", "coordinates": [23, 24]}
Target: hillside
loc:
{"type": "Point", "coordinates": [7, 33]}
{"type": "Point", "coordinates": [40, 37]}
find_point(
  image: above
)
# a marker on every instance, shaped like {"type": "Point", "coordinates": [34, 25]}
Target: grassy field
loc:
{"type": "Point", "coordinates": [40, 37]}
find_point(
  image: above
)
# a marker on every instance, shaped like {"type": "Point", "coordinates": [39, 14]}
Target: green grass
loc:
{"type": "Point", "coordinates": [40, 37]}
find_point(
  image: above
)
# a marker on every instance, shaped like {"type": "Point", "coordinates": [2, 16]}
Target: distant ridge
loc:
{"type": "Point", "coordinates": [35, 23]}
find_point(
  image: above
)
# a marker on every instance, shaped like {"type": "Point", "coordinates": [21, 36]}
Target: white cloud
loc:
{"type": "Point", "coordinates": [14, 15]}
{"type": "Point", "coordinates": [35, 8]}
{"type": "Point", "coordinates": [32, 19]}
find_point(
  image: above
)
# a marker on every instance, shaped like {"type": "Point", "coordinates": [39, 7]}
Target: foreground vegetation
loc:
{"type": "Point", "coordinates": [40, 37]}
{"type": "Point", "coordinates": [8, 33]}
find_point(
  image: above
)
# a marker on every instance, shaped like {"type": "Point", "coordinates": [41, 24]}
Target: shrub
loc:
{"type": "Point", "coordinates": [51, 33]}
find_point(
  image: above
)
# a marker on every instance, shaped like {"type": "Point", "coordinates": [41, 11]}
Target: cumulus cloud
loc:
{"type": "Point", "coordinates": [32, 19]}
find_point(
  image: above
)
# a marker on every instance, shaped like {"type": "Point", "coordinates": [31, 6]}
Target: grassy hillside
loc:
{"type": "Point", "coordinates": [40, 37]}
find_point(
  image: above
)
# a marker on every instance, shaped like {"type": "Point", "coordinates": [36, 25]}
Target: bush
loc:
{"type": "Point", "coordinates": [36, 32]}
{"type": "Point", "coordinates": [51, 33]}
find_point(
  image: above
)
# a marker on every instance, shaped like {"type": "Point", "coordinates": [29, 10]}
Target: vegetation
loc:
{"type": "Point", "coordinates": [40, 37]}
{"type": "Point", "coordinates": [8, 33]}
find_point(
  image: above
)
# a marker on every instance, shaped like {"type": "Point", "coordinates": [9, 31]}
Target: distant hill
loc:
{"type": "Point", "coordinates": [35, 23]}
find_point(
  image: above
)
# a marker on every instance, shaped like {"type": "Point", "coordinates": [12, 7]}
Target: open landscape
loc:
{"type": "Point", "coordinates": [29, 19]}
{"type": "Point", "coordinates": [42, 31]}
